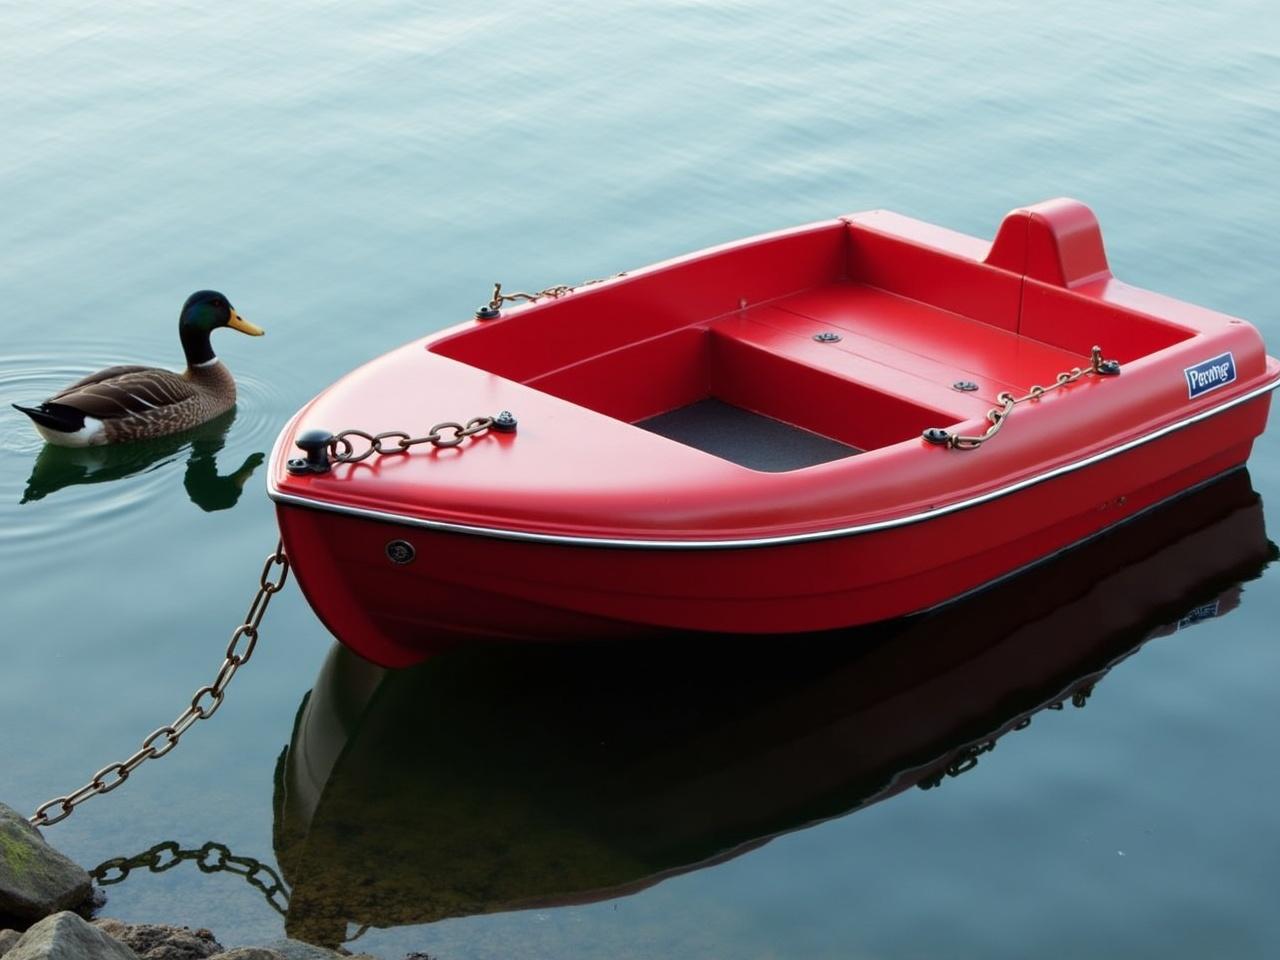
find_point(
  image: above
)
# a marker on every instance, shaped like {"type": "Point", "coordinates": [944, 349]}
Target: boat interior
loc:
{"type": "Point", "coordinates": [819, 343]}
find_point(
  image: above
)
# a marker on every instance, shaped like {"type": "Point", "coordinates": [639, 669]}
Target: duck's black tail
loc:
{"type": "Point", "coordinates": [55, 416]}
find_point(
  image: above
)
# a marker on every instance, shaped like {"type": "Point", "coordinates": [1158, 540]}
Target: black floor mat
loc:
{"type": "Point", "coordinates": [746, 438]}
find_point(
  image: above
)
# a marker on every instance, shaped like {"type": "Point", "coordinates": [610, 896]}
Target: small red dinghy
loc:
{"type": "Point", "coordinates": [826, 426]}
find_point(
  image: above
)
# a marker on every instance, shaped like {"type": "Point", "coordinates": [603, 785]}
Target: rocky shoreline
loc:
{"type": "Point", "coordinates": [41, 891]}
{"type": "Point", "coordinates": [68, 936]}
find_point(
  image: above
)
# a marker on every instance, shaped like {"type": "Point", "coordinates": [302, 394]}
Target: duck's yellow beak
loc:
{"type": "Point", "coordinates": [238, 322]}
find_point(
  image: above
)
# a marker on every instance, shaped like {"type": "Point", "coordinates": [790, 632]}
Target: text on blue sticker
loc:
{"type": "Point", "coordinates": [1210, 374]}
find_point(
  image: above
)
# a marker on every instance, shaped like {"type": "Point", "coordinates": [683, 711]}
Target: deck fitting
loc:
{"type": "Point", "coordinates": [936, 435]}
{"type": "Point", "coordinates": [316, 444]}
{"type": "Point", "coordinates": [826, 336]}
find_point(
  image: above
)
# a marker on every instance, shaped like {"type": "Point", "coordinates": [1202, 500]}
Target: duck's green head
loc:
{"type": "Point", "coordinates": [204, 312]}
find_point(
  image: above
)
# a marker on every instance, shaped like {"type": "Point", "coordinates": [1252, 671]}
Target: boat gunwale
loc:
{"type": "Point", "coordinates": [580, 540]}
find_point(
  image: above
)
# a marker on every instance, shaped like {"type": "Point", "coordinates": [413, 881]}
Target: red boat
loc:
{"type": "Point", "coordinates": [831, 425]}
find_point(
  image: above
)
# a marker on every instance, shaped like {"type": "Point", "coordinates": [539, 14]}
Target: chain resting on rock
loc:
{"type": "Point", "coordinates": [203, 705]}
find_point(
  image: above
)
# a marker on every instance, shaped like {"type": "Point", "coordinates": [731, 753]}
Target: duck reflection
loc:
{"type": "Point", "coordinates": [59, 467]}
{"type": "Point", "coordinates": [495, 778]}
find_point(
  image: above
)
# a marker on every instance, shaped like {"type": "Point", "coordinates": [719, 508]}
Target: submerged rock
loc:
{"type": "Point", "coordinates": [250, 953]}
{"type": "Point", "coordinates": [35, 879]}
{"type": "Point", "coordinates": [290, 949]}
{"type": "Point", "coordinates": [7, 939]}
{"type": "Point", "coordinates": [66, 936]}
{"type": "Point", "coordinates": [157, 941]}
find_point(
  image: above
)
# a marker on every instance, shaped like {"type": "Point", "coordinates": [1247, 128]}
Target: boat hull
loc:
{"type": "Point", "coordinates": [827, 426]}
{"type": "Point", "coordinates": [465, 586]}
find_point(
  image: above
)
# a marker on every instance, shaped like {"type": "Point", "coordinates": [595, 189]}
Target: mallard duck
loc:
{"type": "Point", "coordinates": [135, 403]}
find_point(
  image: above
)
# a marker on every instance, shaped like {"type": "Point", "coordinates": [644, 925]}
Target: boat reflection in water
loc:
{"type": "Point", "coordinates": [56, 468]}
{"type": "Point", "coordinates": [496, 778]}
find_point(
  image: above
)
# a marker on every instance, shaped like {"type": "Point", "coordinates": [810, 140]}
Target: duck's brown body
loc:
{"type": "Point", "coordinates": [135, 403]}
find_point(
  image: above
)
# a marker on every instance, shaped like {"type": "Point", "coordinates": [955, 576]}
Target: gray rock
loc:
{"type": "Point", "coordinates": [156, 941]}
{"type": "Point", "coordinates": [35, 879]}
{"type": "Point", "coordinates": [298, 950]}
{"type": "Point", "coordinates": [7, 939]}
{"type": "Point", "coordinates": [250, 953]}
{"type": "Point", "coordinates": [65, 936]}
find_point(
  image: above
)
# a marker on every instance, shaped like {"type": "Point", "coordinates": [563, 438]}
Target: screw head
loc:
{"type": "Point", "coordinates": [400, 552]}
{"type": "Point", "coordinates": [964, 386]}
{"type": "Point", "coordinates": [826, 336]}
{"type": "Point", "coordinates": [505, 422]}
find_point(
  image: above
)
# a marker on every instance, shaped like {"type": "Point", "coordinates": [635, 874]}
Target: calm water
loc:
{"type": "Point", "coordinates": [353, 177]}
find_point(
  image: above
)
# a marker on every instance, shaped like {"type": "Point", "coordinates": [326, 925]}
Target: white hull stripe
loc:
{"type": "Point", "coordinates": [501, 534]}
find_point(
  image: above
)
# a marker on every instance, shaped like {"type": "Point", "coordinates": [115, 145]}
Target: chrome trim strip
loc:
{"type": "Point", "coordinates": [500, 534]}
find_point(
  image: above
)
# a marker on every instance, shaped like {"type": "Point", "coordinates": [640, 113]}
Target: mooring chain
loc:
{"type": "Point", "coordinates": [203, 705]}
{"type": "Point", "coordinates": [491, 309]}
{"type": "Point", "coordinates": [554, 292]}
{"type": "Point", "coordinates": [966, 758]}
{"type": "Point", "coordinates": [442, 435]}
{"type": "Point", "coordinates": [997, 416]}
{"type": "Point", "coordinates": [210, 858]}
{"type": "Point", "coordinates": [324, 449]}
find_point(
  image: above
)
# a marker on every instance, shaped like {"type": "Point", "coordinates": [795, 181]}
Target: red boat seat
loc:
{"type": "Point", "coordinates": [857, 358]}
{"type": "Point", "coordinates": [902, 346]}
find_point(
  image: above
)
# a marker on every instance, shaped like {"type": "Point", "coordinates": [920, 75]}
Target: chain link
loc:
{"type": "Point", "coordinates": [210, 858]}
{"type": "Point", "coordinates": [997, 416]}
{"type": "Point", "coordinates": [555, 292]}
{"type": "Point", "coordinates": [203, 705]}
{"type": "Point", "coordinates": [442, 435]}
{"type": "Point", "coordinates": [966, 758]}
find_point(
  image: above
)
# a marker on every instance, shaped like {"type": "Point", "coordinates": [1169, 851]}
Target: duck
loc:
{"type": "Point", "coordinates": [127, 403]}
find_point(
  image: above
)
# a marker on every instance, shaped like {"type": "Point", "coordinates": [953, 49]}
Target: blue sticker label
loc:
{"type": "Point", "coordinates": [1210, 374]}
